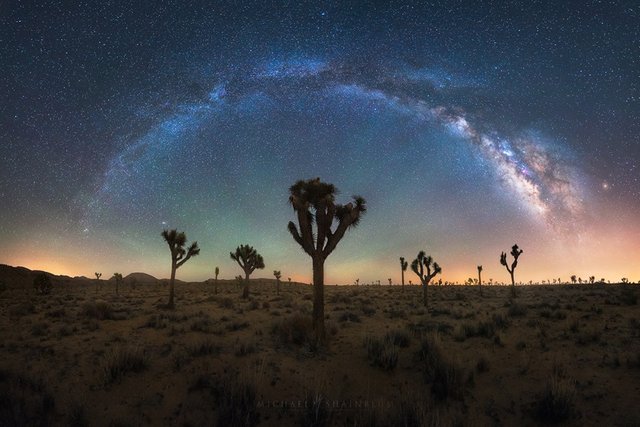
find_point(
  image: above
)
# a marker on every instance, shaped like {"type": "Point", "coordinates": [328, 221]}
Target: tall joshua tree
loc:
{"type": "Point", "coordinates": [277, 275]}
{"type": "Point", "coordinates": [215, 289]}
{"type": "Point", "coordinates": [480, 278]}
{"type": "Point", "coordinates": [419, 265]}
{"type": "Point", "coordinates": [515, 253]}
{"type": "Point", "coordinates": [248, 259]}
{"type": "Point", "coordinates": [118, 279]}
{"type": "Point", "coordinates": [314, 201]}
{"type": "Point", "coordinates": [179, 255]}
{"type": "Point", "coordinates": [403, 267]}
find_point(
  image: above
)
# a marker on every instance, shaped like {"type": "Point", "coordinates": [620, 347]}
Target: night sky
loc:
{"type": "Point", "coordinates": [467, 127]}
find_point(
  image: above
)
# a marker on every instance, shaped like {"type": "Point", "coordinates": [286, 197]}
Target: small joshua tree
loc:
{"type": "Point", "coordinates": [249, 260]}
{"type": "Point", "coordinates": [118, 279]}
{"type": "Point", "coordinates": [419, 265]}
{"type": "Point", "coordinates": [480, 278]}
{"type": "Point", "coordinates": [179, 255]}
{"type": "Point", "coordinates": [215, 288]}
{"type": "Point", "coordinates": [98, 275]}
{"type": "Point", "coordinates": [515, 253]}
{"type": "Point", "coordinates": [277, 275]}
{"type": "Point", "coordinates": [315, 200]}
{"type": "Point", "coordinates": [403, 267]}
{"type": "Point", "coordinates": [389, 282]}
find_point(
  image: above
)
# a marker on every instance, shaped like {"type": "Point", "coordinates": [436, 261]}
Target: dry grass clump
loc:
{"type": "Point", "coordinates": [382, 353]}
{"type": "Point", "coordinates": [447, 379]}
{"type": "Point", "coordinates": [203, 347]}
{"type": "Point", "coordinates": [236, 399]}
{"type": "Point", "coordinates": [556, 403]}
{"type": "Point", "coordinates": [100, 310]}
{"type": "Point", "coordinates": [123, 360]}
{"type": "Point", "coordinates": [24, 401]}
{"type": "Point", "coordinates": [22, 309]}
{"type": "Point", "coordinates": [295, 329]}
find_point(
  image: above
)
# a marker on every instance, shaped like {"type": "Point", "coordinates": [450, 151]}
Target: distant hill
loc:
{"type": "Point", "coordinates": [141, 278]}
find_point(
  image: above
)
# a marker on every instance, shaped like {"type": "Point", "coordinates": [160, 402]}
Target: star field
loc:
{"type": "Point", "coordinates": [466, 127]}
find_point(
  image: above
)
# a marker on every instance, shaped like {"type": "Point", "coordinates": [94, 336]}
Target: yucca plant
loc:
{"type": "Point", "coordinates": [515, 253]}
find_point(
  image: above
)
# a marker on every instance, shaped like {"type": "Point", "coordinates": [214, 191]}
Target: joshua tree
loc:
{"type": "Point", "coordinates": [277, 275]}
{"type": "Point", "coordinates": [515, 253]}
{"type": "Point", "coordinates": [315, 200]}
{"type": "Point", "coordinates": [118, 278]}
{"type": "Point", "coordinates": [248, 259]}
{"type": "Point", "coordinates": [403, 267]}
{"type": "Point", "coordinates": [215, 286]}
{"type": "Point", "coordinates": [480, 278]}
{"type": "Point", "coordinates": [289, 279]}
{"type": "Point", "coordinates": [592, 279]}
{"type": "Point", "coordinates": [574, 279]}
{"type": "Point", "coordinates": [389, 282]}
{"type": "Point", "coordinates": [418, 266]}
{"type": "Point", "coordinates": [98, 275]}
{"type": "Point", "coordinates": [179, 255]}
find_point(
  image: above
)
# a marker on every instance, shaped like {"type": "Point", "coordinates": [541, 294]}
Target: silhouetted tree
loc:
{"type": "Point", "coordinates": [419, 265]}
{"type": "Point", "coordinates": [592, 279]}
{"type": "Point", "coordinates": [215, 287]}
{"type": "Point", "coordinates": [315, 200]}
{"type": "Point", "coordinates": [98, 275]}
{"type": "Point", "coordinates": [403, 267]}
{"type": "Point", "coordinates": [515, 253]}
{"type": "Point", "coordinates": [480, 278]}
{"type": "Point", "coordinates": [277, 275]}
{"type": "Point", "coordinates": [574, 279]}
{"type": "Point", "coordinates": [179, 255]}
{"type": "Point", "coordinates": [249, 260]}
{"type": "Point", "coordinates": [118, 279]}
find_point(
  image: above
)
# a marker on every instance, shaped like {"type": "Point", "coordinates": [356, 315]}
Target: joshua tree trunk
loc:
{"type": "Point", "coordinates": [171, 304]}
{"type": "Point", "coordinates": [513, 283]}
{"type": "Point", "coordinates": [245, 290]}
{"type": "Point", "coordinates": [424, 294]}
{"type": "Point", "coordinates": [318, 297]}
{"type": "Point", "coordinates": [402, 280]}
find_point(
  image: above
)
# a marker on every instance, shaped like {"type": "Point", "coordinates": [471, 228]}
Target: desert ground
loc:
{"type": "Point", "coordinates": [83, 355]}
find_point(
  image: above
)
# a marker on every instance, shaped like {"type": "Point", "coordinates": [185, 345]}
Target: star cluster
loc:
{"type": "Point", "coordinates": [466, 127]}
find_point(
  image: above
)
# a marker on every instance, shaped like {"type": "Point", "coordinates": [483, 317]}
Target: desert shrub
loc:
{"type": "Point", "coordinates": [500, 321]}
{"type": "Point", "coordinates": [628, 296]}
{"type": "Point", "coordinates": [245, 348]}
{"type": "Point", "coordinates": [556, 402]}
{"type": "Point", "coordinates": [482, 365]}
{"type": "Point", "coordinates": [447, 379]}
{"type": "Point", "coordinates": [399, 338]}
{"type": "Point", "coordinates": [295, 329]}
{"type": "Point", "coordinates": [394, 313]}
{"type": "Point", "coordinates": [368, 310]}
{"type": "Point", "coordinates": [100, 310]}
{"type": "Point", "coordinates": [253, 305]}
{"type": "Point", "coordinates": [236, 399]}
{"type": "Point", "coordinates": [237, 326]}
{"type": "Point", "coordinates": [382, 353]}
{"type": "Point", "coordinates": [484, 328]}
{"type": "Point", "coordinates": [516, 309]}
{"type": "Point", "coordinates": [202, 324]}
{"type": "Point", "coordinates": [22, 309]}
{"type": "Point", "coordinates": [317, 411]}
{"type": "Point", "coordinates": [349, 316]}
{"type": "Point", "coordinates": [3, 286]}
{"type": "Point", "coordinates": [24, 401]}
{"type": "Point", "coordinates": [225, 303]}
{"type": "Point", "coordinates": [39, 329]}
{"type": "Point", "coordinates": [78, 416]}
{"type": "Point", "coordinates": [266, 305]}
{"type": "Point", "coordinates": [42, 284]}
{"type": "Point", "coordinates": [120, 361]}
{"type": "Point", "coordinates": [57, 313]}
{"type": "Point", "coordinates": [157, 321]}
{"type": "Point", "coordinates": [203, 348]}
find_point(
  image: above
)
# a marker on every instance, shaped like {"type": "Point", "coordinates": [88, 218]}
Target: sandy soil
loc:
{"type": "Point", "coordinates": [85, 356]}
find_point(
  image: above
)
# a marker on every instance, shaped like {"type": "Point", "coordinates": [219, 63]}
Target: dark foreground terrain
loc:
{"type": "Point", "coordinates": [83, 355]}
